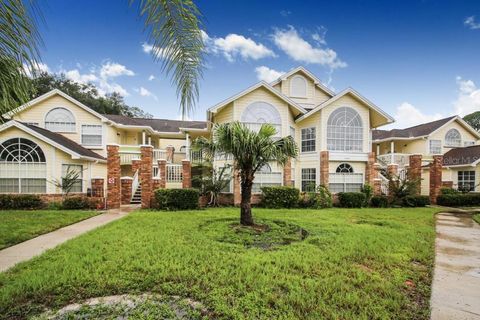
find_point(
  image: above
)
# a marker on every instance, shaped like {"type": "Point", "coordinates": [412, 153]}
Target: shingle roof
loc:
{"type": "Point", "coordinates": [67, 143]}
{"type": "Point", "coordinates": [162, 125]}
{"type": "Point", "coordinates": [462, 156]}
{"type": "Point", "coordinates": [411, 132]}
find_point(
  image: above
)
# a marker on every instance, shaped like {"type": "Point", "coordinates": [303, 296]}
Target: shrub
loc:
{"type": "Point", "coordinates": [280, 197]}
{"type": "Point", "coordinates": [75, 203]}
{"type": "Point", "coordinates": [320, 199]}
{"type": "Point", "coordinates": [351, 199]}
{"type": "Point", "coordinates": [447, 190]}
{"type": "Point", "coordinates": [176, 199]}
{"type": "Point", "coordinates": [20, 201]}
{"type": "Point", "coordinates": [379, 202]}
{"type": "Point", "coordinates": [416, 201]}
{"type": "Point", "coordinates": [459, 199]}
{"type": "Point", "coordinates": [367, 190]}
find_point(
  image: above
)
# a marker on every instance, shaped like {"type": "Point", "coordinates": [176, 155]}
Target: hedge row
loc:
{"type": "Point", "coordinates": [176, 199]}
{"type": "Point", "coordinates": [459, 199]}
{"type": "Point", "coordinates": [34, 202]}
{"type": "Point", "coordinates": [289, 197]}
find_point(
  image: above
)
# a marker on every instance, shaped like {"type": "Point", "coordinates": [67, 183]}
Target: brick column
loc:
{"type": "Point", "coordinates": [97, 187]}
{"type": "Point", "coordinates": [377, 186]}
{"type": "Point", "coordinates": [146, 169]}
{"type": "Point", "coordinates": [324, 170]}
{"type": "Point", "coordinates": [435, 178]}
{"type": "Point", "coordinates": [155, 183]}
{"type": "Point", "coordinates": [370, 169]}
{"type": "Point", "coordinates": [113, 176]}
{"type": "Point", "coordinates": [237, 192]}
{"type": "Point", "coordinates": [287, 173]}
{"type": "Point", "coordinates": [186, 174]}
{"type": "Point", "coordinates": [415, 170]}
{"type": "Point", "coordinates": [136, 165]}
{"type": "Point", "coordinates": [162, 173]}
{"type": "Point", "coordinates": [126, 183]}
{"type": "Point", "coordinates": [170, 153]}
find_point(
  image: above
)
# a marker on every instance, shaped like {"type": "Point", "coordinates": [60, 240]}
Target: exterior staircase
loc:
{"type": "Point", "coordinates": [137, 196]}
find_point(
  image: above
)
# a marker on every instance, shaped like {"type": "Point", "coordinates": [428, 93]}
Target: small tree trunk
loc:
{"type": "Point", "coordinates": [246, 217]}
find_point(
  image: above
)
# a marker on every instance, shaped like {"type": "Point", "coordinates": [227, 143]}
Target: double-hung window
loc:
{"type": "Point", "coordinates": [91, 135]}
{"type": "Point", "coordinates": [435, 146]}
{"type": "Point", "coordinates": [309, 179]}
{"type": "Point", "coordinates": [308, 139]}
{"type": "Point", "coordinates": [466, 180]}
{"type": "Point", "coordinates": [72, 172]}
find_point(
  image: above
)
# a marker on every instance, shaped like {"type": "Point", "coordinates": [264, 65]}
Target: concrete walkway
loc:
{"type": "Point", "coordinates": [456, 280]}
{"type": "Point", "coordinates": [33, 247]}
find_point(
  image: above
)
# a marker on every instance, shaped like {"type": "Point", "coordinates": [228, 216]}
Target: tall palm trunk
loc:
{"type": "Point", "coordinates": [246, 217]}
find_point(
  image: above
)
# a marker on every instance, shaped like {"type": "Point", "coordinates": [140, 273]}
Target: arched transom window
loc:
{"type": "Point", "coordinates": [298, 86]}
{"type": "Point", "coordinates": [60, 120]}
{"type": "Point", "coordinates": [453, 138]}
{"type": "Point", "coordinates": [22, 167]}
{"type": "Point", "coordinates": [345, 130]}
{"type": "Point", "coordinates": [344, 168]}
{"type": "Point", "coordinates": [261, 112]}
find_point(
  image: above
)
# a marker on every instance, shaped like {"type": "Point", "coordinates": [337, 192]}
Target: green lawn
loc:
{"type": "Point", "coordinates": [353, 264]}
{"type": "Point", "coordinates": [476, 217]}
{"type": "Point", "coordinates": [20, 225]}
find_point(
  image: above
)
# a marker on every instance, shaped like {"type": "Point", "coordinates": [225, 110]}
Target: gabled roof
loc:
{"type": "Point", "coordinates": [419, 131]}
{"type": "Point", "coordinates": [159, 125]}
{"type": "Point", "coordinates": [260, 84]}
{"type": "Point", "coordinates": [56, 140]}
{"type": "Point", "coordinates": [354, 93]}
{"type": "Point", "coordinates": [462, 156]}
{"type": "Point", "coordinates": [316, 81]}
{"type": "Point", "coordinates": [47, 95]}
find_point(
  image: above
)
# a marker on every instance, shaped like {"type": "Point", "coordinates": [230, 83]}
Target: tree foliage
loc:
{"type": "Point", "coordinates": [251, 150]}
{"type": "Point", "coordinates": [87, 94]}
{"type": "Point", "coordinates": [473, 119]}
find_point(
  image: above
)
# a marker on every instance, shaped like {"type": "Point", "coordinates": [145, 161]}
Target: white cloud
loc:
{"type": "Point", "coordinates": [285, 13]}
{"type": "Point", "coordinates": [147, 48]}
{"type": "Point", "coordinates": [266, 74]}
{"type": "Point", "coordinates": [300, 50]}
{"type": "Point", "coordinates": [471, 23]}
{"type": "Point", "coordinates": [145, 93]}
{"type": "Point", "coordinates": [36, 68]}
{"type": "Point", "coordinates": [76, 76]}
{"type": "Point", "coordinates": [407, 115]}
{"type": "Point", "coordinates": [234, 45]}
{"type": "Point", "coordinates": [112, 69]}
{"type": "Point", "coordinates": [468, 99]}
{"type": "Point", "coordinates": [151, 77]}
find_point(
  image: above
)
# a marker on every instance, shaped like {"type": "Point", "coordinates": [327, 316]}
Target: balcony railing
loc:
{"type": "Point", "coordinates": [129, 153]}
{"type": "Point", "coordinates": [401, 159]}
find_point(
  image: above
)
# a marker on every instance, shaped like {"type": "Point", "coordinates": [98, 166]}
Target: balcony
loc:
{"type": "Point", "coordinates": [402, 159]}
{"type": "Point", "coordinates": [130, 152]}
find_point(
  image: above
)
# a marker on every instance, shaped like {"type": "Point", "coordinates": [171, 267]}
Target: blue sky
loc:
{"type": "Point", "coordinates": [418, 60]}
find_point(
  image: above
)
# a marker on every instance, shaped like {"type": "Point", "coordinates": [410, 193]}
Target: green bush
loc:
{"type": "Point", "coordinates": [280, 197]}
{"type": "Point", "coordinates": [447, 190]}
{"type": "Point", "coordinates": [379, 202]}
{"type": "Point", "coordinates": [367, 190]}
{"type": "Point", "coordinates": [416, 201]}
{"type": "Point", "coordinates": [351, 199]}
{"type": "Point", "coordinates": [459, 199]}
{"type": "Point", "coordinates": [320, 199]}
{"type": "Point", "coordinates": [20, 201]}
{"type": "Point", "coordinates": [176, 199]}
{"type": "Point", "coordinates": [76, 203]}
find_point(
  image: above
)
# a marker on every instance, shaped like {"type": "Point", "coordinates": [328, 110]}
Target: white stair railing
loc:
{"type": "Point", "coordinates": [383, 184]}
{"type": "Point", "coordinates": [135, 182]}
{"type": "Point", "coordinates": [174, 172]}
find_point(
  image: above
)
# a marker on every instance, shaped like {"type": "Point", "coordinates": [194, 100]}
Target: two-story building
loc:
{"type": "Point", "coordinates": [334, 131]}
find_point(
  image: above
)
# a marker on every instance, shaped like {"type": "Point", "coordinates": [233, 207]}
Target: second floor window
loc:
{"type": "Point", "coordinates": [91, 135]}
{"type": "Point", "coordinates": [308, 139]}
{"type": "Point", "coordinates": [60, 120]}
{"type": "Point", "coordinates": [453, 138]}
{"type": "Point", "coordinates": [435, 146]}
{"type": "Point", "coordinates": [345, 130]}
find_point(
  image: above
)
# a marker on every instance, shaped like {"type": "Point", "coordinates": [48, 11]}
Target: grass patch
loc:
{"type": "Point", "coordinates": [380, 268]}
{"type": "Point", "coordinates": [476, 217]}
{"type": "Point", "coordinates": [20, 225]}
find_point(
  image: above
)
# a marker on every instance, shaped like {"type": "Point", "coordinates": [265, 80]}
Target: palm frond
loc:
{"type": "Point", "coordinates": [19, 43]}
{"type": "Point", "coordinates": [173, 27]}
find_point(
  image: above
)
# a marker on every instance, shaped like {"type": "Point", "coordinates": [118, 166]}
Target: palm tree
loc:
{"type": "Point", "coordinates": [251, 150]}
{"type": "Point", "coordinates": [172, 26]}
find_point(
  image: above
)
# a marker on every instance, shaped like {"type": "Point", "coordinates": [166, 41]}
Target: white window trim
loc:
{"type": "Point", "coordinates": [333, 129]}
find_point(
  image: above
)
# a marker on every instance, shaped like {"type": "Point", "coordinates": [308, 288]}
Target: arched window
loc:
{"type": "Point", "coordinates": [453, 138]}
{"type": "Point", "coordinates": [259, 113]}
{"type": "Point", "coordinates": [344, 168]}
{"type": "Point", "coordinates": [60, 120]}
{"type": "Point", "coordinates": [298, 87]}
{"type": "Point", "coordinates": [345, 130]}
{"type": "Point", "coordinates": [22, 167]}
